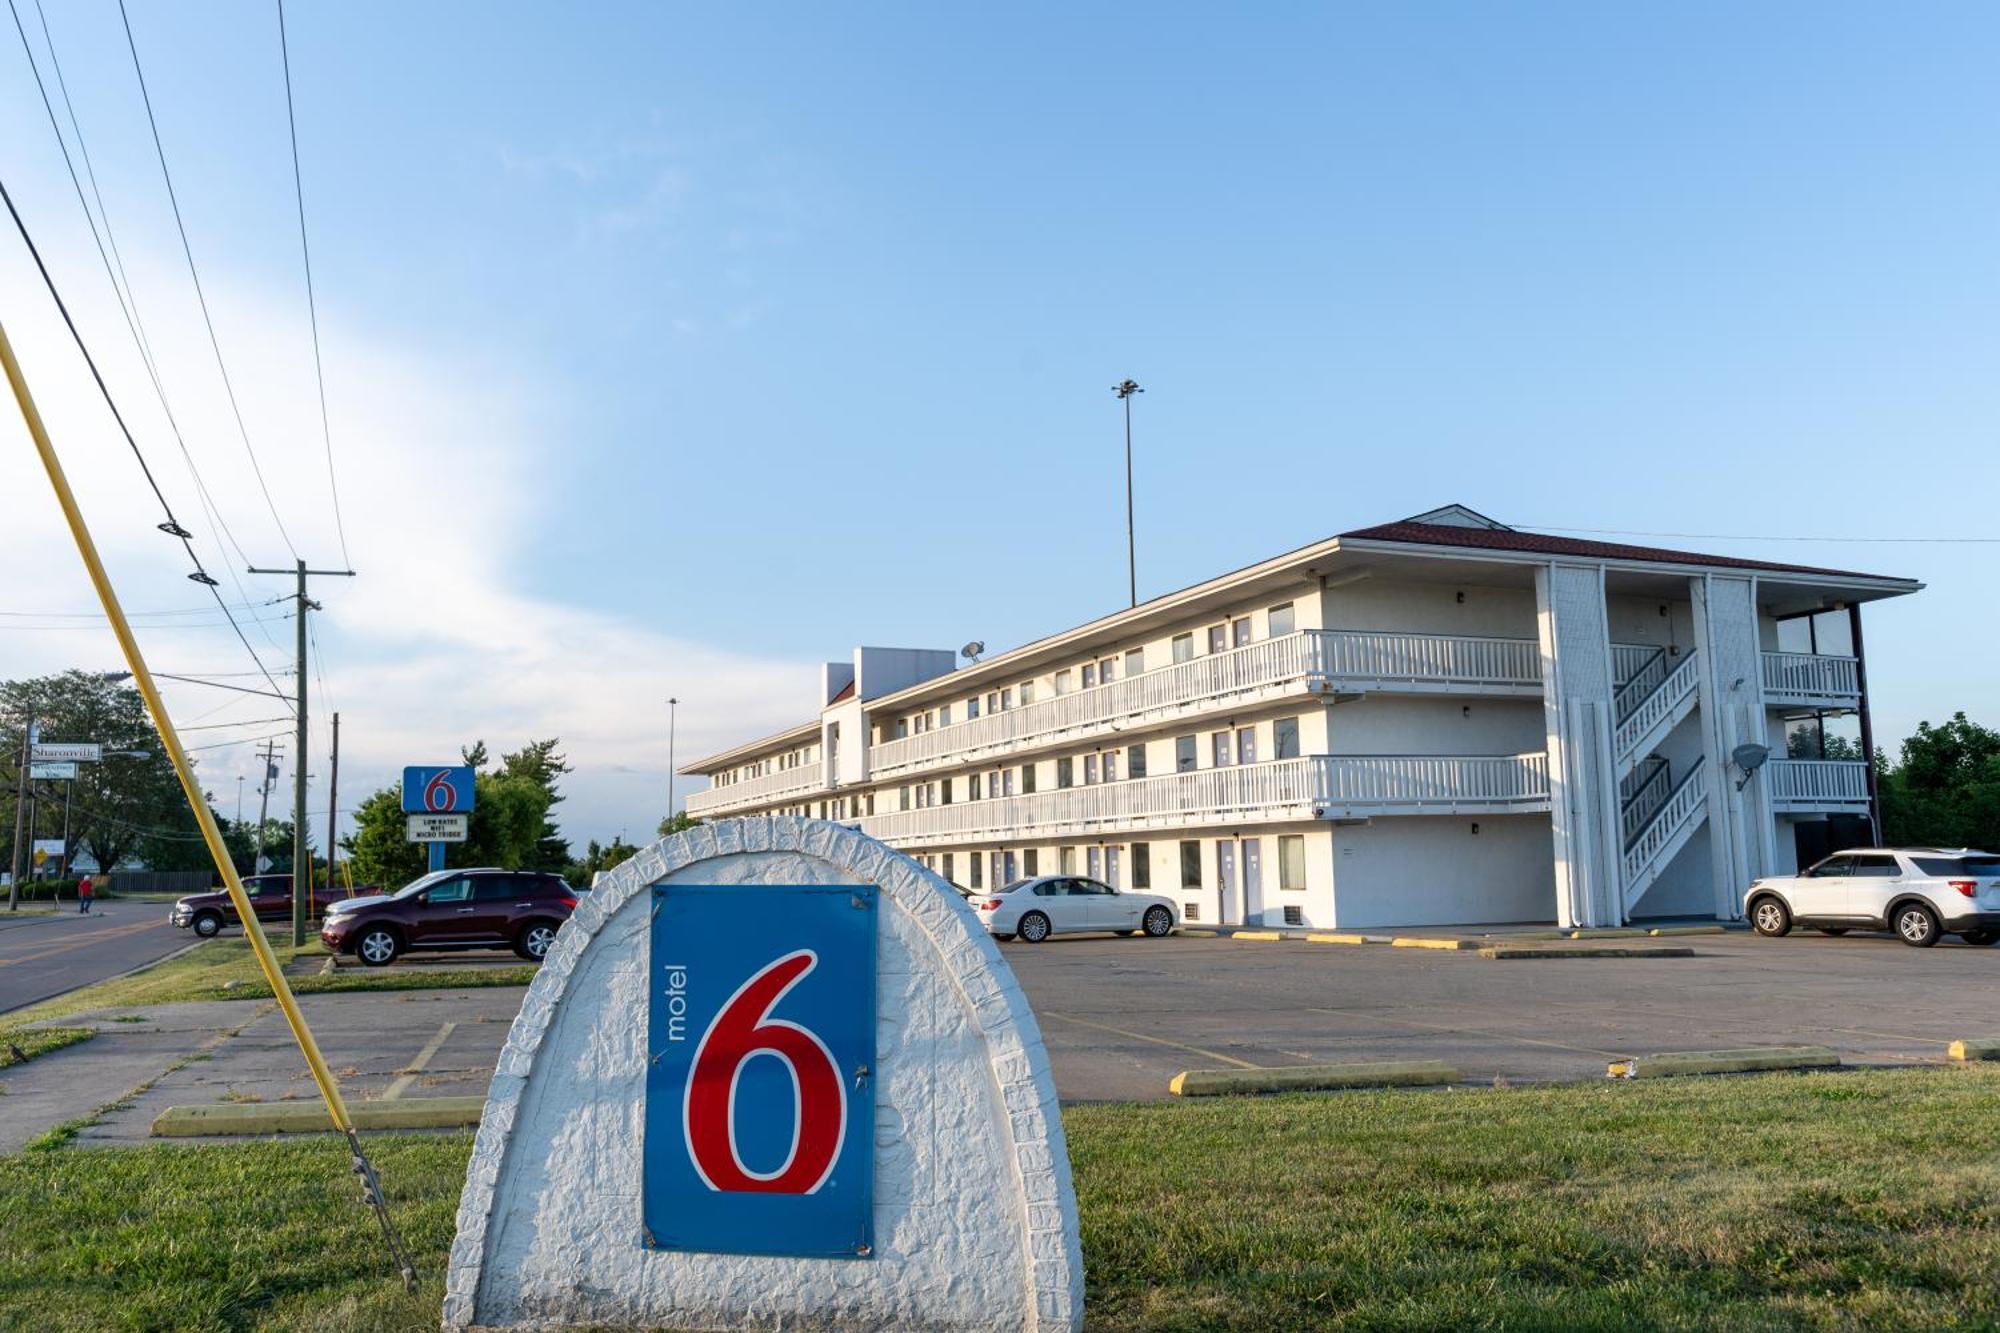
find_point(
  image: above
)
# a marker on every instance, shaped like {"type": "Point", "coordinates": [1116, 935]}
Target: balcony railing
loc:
{"type": "Point", "coordinates": [1334, 658]}
{"type": "Point", "coordinates": [1811, 676]}
{"type": "Point", "coordinates": [1818, 784]}
{"type": "Point", "coordinates": [1312, 788]}
{"type": "Point", "coordinates": [762, 790]}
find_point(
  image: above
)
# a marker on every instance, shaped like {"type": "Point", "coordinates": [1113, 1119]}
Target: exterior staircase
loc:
{"type": "Point", "coordinates": [1650, 705]}
{"type": "Point", "coordinates": [1658, 813]}
{"type": "Point", "coordinates": [1659, 827]}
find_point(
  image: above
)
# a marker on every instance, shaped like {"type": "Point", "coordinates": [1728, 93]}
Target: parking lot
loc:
{"type": "Point", "coordinates": [1122, 1016]}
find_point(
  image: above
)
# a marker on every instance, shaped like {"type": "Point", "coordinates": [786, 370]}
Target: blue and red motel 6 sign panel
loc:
{"type": "Point", "coordinates": [437, 791]}
{"type": "Point", "coordinates": [760, 1091]}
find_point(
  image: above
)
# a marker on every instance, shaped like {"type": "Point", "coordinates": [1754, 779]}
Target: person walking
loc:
{"type": "Point", "coordinates": [84, 888]}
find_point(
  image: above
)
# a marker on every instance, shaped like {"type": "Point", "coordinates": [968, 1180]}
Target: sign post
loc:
{"type": "Point", "coordinates": [442, 792]}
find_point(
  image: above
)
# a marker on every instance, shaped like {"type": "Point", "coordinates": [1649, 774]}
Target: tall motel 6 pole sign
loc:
{"type": "Point", "coordinates": [438, 803]}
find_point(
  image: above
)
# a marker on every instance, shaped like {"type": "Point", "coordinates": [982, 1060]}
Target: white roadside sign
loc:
{"type": "Point", "coordinates": [49, 770]}
{"type": "Point", "coordinates": [88, 752]}
{"type": "Point", "coordinates": [438, 828]}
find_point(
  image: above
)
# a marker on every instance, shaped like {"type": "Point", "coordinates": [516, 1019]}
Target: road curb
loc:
{"type": "Point", "coordinates": [1983, 1048]}
{"type": "Point", "coordinates": [1255, 935]}
{"type": "Point", "coordinates": [1510, 951]}
{"type": "Point", "coordinates": [1345, 937]}
{"type": "Point", "coordinates": [1429, 942]}
{"type": "Point", "coordinates": [1672, 1064]}
{"type": "Point", "coordinates": [1311, 1078]}
{"type": "Point", "coordinates": [311, 1117]}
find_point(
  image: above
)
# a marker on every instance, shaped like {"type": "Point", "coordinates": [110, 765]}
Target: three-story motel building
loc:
{"type": "Point", "coordinates": [1431, 722]}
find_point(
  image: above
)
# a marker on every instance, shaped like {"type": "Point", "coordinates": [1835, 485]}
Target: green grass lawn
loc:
{"type": "Point", "coordinates": [1767, 1202]}
{"type": "Point", "coordinates": [19, 1045]}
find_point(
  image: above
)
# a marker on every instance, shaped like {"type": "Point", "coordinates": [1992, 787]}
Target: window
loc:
{"type": "Point", "coordinates": [972, 708]}
{"type": "Point", "coordinates": [1184, 754]}
{"type": "Point", "coordinates": [947, 865]}
{"type": "Point", "coordinates": [1958, 867]}
{"type": "Point", "coordinates": [1135, 761]}
{"type": "Point", "coordinates": [871, 803]}
{"type": "Point", "coordinates": [1142, 866]}
{"type": "Point", "coordinates": [992, 702]}
{"type": "Point", "coordinates": [1295, 915]}
{"type": "Point", "coordinates": [1135, 662]}
{"type": "Point", "coordinates": [1106, 668]}
{"type": "Point", "coordinates": [1190, 911]}
{"type": "Point", "coordinates": [451, 891]}
{"type": "Point", "coordinates": [1218, 638]}
{"type": "Point", "coordinates": [1090, 770]}
{"type": "Point", "coordinates": [1284, 619]}
{"type": "Point", "coordinates": [1292, 861]}
{"type": "Point", "coordinates": [1111, 766]}
{"type": "Point", "coordinates": [1029, 860]}
{"type": "Point", "coordinates": [1066, 861]}
{"type": "Point", "coordinates": [1876, 867]}
{"type": "Point", "coordinates": [1065, 772]}
{"type": "Point", "coordinates": [1063, 679]}
{"type": "Point", "coordinates": [977, 865]}
{"type": "Point", "coordinates": [1239, 632]}
{"type": "Point", "coordinates": [902, 727]}
{"type": "Point", "coordinates": [944, 791]}
{"type": "Point", "coordinates": [1285, 738]}
{"type": "Point", "coordinates": [944, 715]}
{"type": "Point", "coordinates": [972, 787]}
{"type": "Point", "coordinates": [1191, 865]}
{"type": "Point", "coordinates": [1220, 749]}
{"type": "Point", "coordinates": [903, 793]}
{"type": "Point", "coordinates": [1832, 867]}
{"type": "Point", "coordinates": [500, 888]}
{"type": "Point", "coordinates": [1027, 778]}
{"type": "Point", "coordinates": [1027, 691]}
{"type": "Point", "coordinates": [1006, 698]}
{"type": "Point", "coordinates": [1089, 674]}
{"type": "Point", "coordinates": [1183, 647]}
{"type": "Point", "coordinates": [1246, 745]}
{"type": "Point", "coordinates": [1006, 780]}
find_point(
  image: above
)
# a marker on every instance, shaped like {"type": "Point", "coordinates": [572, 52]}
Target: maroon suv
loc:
{"type": "Point", "coordinates": [453, 909]}
{"type": "Point", "coordinates": [270, 895]}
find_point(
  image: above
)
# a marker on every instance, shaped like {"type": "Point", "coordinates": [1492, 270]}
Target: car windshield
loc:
{"type": "Point", "coordinates": [1945, 867]}
{"type": "Point", "coordinates": [419, 885]}
{"type": "Point", "coordinates": [1009, 888]}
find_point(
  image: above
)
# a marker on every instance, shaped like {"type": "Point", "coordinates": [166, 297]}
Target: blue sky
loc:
{"type": "Point", "coordinates": [674, 350]}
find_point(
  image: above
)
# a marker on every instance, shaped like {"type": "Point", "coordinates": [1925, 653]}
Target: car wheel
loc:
{"type": "Point", "coordinates": [378, 946]}
{"type": "Point", "coordinates": [1159, 922]}
{"type": "Point", "coordinates": [1034, 928]}
{"type": "Point", "coordinates": [1980, 937]}
{"type": "Point", "coordinates": [1835, 931]}
{"type": "Point", "coordinates": [1917, 925]}
{"type": "Point", "coordinates": [208, 925]}
{"type": "Point", "coordinates": [1771, 917]}
{"type": "Point", "coordinates": [536, 941]}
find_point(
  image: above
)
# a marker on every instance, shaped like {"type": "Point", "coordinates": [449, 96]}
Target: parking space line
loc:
{"type": "Point", "coordinates": [1476, 1032]}
{"type": "Point", "coordinates": [416, 1066]}
{"type": "Point", "coordinates": [1157, 1041]}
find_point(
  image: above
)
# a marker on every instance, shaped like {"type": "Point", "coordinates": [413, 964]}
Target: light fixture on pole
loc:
{"type": "Point", "coordinates": [1125, 389]}
{"type": "Point", "coordinates": [673, 706]}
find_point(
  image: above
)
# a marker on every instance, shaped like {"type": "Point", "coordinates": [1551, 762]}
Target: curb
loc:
{"type": "Point", "coordinates": [1344, 937]}
{"type": "Point", "coordinates": [1311, 1078]}
{"type": "Point", "coordinates": [1427, 942]}
{"type": "Point", "coordinates": [312, 1117]}
{"type": "Point", "coordinates": [1672, 1064]}
{"type": "Point", "coordinates": [1255, 935]}
{"type": "Point", "coordinates": [1688, 930]}
{"type": "Point", "coordinates": [1506, 951]}
{"type": "Point", "coordinates": [1985, 1048]}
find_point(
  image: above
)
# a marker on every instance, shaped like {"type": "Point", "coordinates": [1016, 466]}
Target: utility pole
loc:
{"type": "Point", "coordinates": [21, 810]}
{"type": "Point", "coordinates": [1125, 389]}
{"type": "Point", "coordinates": [673, 706]}
{"type": "Point", "coordinates": [301, 853]}
{"type": "Point", "coordinates": [263, 808]}
{"type": "Point", "coordinates": [332, 804]}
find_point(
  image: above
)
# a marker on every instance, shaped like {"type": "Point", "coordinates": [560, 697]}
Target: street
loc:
{"type": "Point", "coordinates": [43, 955]}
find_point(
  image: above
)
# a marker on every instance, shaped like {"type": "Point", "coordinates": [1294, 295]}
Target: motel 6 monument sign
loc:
{"type": "Point", "coordinates": [772, 1075]}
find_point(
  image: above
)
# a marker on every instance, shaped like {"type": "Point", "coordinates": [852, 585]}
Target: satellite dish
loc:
{"type": "Point", "coordinates": [1749, 758]}
{"type": "Point", "coordinates": [972, 650]}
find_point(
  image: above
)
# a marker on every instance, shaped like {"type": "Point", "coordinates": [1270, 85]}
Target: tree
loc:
{"type": "Point", "coordinates": [1946, 790]}
{"type": "Point", "coordinates": [539, 763]}
{"type": "Point", "coordinates": [509, 825]}
{"type": "Point", "coordinates": [678, 822]}
{"type": "Point", "coordinates": [596, 859]}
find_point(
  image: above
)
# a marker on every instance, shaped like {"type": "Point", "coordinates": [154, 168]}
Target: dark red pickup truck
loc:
{"type": "Point", "coordinates": [270, 895]}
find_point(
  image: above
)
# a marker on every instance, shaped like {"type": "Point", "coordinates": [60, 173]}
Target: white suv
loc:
{"type": "Point", "coordinates": [1919, 893]}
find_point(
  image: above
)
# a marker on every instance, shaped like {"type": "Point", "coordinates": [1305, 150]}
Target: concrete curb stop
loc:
{"type": "Point", "coordinates": [1312, 1078]}
{"type": "Point", "coordinates": [1505, 951]}
{"type": "Point", "coordinates": [311, 1117]}
{"type": "Point", "coordinates": [1671, 1064]}
{"type": "Point", "coordinates": [1344, 937]}
{"type": "Point", "coordinates": [1255, 935]}
{"type": "Point", "coordinates": [1983, 1048]}
{"type": "Point", "coordinates": [1428, 942]}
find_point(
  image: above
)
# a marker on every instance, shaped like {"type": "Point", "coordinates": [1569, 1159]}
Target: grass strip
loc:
{"type": "Point", "coordinates": [20, 1045]}
{"type": "Point", "coordinates": [1762, 1202]}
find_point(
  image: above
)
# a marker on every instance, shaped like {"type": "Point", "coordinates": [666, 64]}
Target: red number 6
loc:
{"type": "Point", "coordinates": [438, 792]}
{"type": "Point", "coordinates": [739, 1032]}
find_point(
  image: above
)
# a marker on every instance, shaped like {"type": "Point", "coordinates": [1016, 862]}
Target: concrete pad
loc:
{"type": "Point", "coordinates": [1587, 951]}
{"type": "Point", "coordinates": [1311, 1078]}
{"type": "Point", "coordinates": [1673, 1064]}
{"type": "Point", "coordinates": [1987, 1048]}
{"type": "Point", "coordinates": [1430, 942]}
{"type": "Point", "coordinates": [312, 1117]}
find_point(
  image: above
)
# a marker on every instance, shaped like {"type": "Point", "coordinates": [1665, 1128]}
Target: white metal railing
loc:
{"type": "Point", "coordinates": [1687, 800]}
{"type": "Point", "coordinates": [1812, 675]}
{"type": "Point", "coordinates": [1645, 799]}
{"type": "Point", "coordinates": [759, 790]}
{"type": "Point", "coordinates": [1629, 659]}
{"type": "Point", "coordinates": [1818, 782]}
{"type": "Point", "coordinates": [1298, 788]}
{"type": "Point", "coordinates": [1665, 698]}
{"type": "Point", "coordinates": [1640, 683]}
{"type": "Point", "coordinates": [1360, 656]}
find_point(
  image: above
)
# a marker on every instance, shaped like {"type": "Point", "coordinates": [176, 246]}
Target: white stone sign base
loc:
{"type": "Point", "coordinates": [975, 1218]}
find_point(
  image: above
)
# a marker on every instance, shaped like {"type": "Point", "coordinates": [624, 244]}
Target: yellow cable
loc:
{"type": "Point", "coordinates": [204, 817]}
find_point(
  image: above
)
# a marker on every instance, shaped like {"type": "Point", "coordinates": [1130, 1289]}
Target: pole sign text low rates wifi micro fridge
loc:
{"type": "Point", "coordinates": [760, 1087]}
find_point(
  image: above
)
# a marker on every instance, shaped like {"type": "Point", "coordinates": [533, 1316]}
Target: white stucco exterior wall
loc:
{"type": "Point", "coordinates": [975, 1217]}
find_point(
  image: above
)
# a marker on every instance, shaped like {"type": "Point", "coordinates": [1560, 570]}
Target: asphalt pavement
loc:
{"type": "Point", "coordinates": [42, 954]}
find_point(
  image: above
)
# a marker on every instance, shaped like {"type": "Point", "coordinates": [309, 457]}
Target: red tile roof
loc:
{"type": "Point", "coordinates": [1433, 534]}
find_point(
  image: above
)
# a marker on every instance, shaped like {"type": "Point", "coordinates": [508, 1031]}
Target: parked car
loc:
{"type": "Point", "coordinates": [1919, 893]}
{"type": "Point", "coordinates": [453, 909]}
{"type": "Point", "coordinates": [1049, 905]}
{"type": "Point", "coordinates": [270, 895]}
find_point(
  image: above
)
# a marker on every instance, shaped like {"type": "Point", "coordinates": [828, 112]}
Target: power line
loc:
{"type": "Point", "coordinates": [312, 305]}
{"type": "Point", "coordinates": [99, 616]}
{"type": "Point", "coordinates": [171, 527]}
{"type": "Point", "coordinates": [194, 272]}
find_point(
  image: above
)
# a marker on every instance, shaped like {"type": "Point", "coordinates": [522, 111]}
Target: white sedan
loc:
{"type": "Point", "coordinates": [1049, 905]}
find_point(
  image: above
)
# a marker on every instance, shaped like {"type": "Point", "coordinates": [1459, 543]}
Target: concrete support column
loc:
{"type": "Point", "coordinates": [1731, 713]}
{"type": "Point", "coordinates": [1574, 631]}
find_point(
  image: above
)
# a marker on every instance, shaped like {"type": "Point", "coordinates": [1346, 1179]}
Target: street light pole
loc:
{"type": "Point", "coordinates": [1125, 389]}
{"type": "Point", "coordinates": [673, 709]}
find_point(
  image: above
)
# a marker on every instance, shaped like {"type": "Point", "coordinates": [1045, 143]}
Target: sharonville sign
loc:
{"type": "Point", "coordinates": [773, 1074]}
